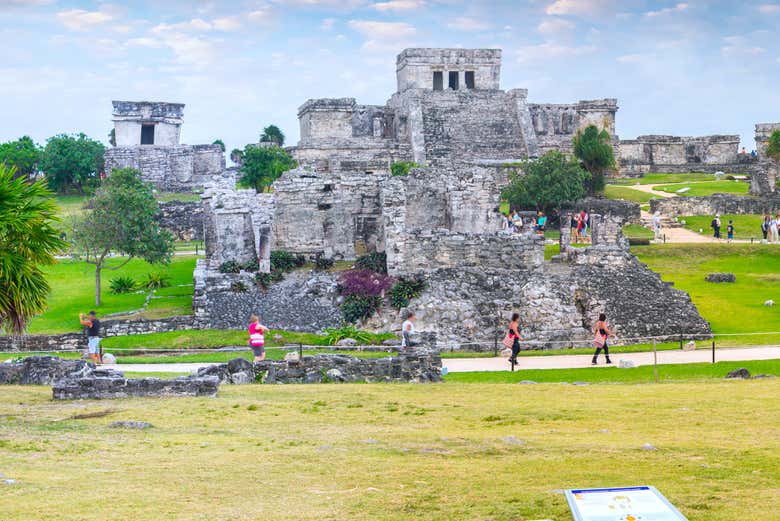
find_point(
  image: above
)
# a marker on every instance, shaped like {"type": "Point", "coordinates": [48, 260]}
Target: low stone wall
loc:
{"type": "Point", "coordinates": [626, 211]}
{"type": "Point", "coordinates": [112, 386]}
{"type": "Point", "coordinates": [184, 219]}
{"type": "Point", "coordinates": [70, 341]}
{"type": "Point", "coordinates": [417, 367]}
{"type": "Point", "coordinates": [42, 370]}
{"type": "Point", "coordinates": [718, 203]}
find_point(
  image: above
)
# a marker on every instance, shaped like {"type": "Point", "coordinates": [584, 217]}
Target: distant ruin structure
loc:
{"type": "Point", "coordinates": [147, 138]}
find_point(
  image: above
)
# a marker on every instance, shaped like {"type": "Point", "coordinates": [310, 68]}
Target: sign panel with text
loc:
{"type": "Point", "coordinates": [621, 504]}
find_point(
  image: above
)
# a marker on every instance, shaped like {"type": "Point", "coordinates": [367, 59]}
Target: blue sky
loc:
{"type": "Point", "coordinates": [685, 68]}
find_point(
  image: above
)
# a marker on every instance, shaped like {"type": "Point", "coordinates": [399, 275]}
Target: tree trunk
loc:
{"type": "Point", "coordinates": [97, 285]}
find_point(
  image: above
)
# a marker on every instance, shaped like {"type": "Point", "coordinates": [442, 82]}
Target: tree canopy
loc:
{"type": "Point", "coordinates": [546, 183]}
{"type": "Point", "coordinates": [120, 218]}
{"type": "Point", "coordinates": [28, 241]}
{"type": "Point", "coordinates": [272, 134]}
{"type": "Point", "coordinates": [220, 143]}
{"type": "Point", "coordinates": [262, 165]}
{"type": "Point", "coordinates": [593, 147]}
{"type": "Point", "coordinates": [22, 154]}
{"type": "Point", "coordinates": [72, 163]}
{"type": "Point", "coordinates": [773, 146]}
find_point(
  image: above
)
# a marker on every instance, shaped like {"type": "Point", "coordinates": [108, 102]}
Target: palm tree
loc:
{"type": "Point", "coordinates": [272, 134]}
{"type": "Point", "coordinates": [28, 241]}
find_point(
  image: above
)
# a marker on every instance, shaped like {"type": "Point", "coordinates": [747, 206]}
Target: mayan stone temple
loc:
{"type": "Point", "coordinates": [440, 222]}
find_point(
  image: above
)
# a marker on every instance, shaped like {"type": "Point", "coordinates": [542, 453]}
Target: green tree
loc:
{"type": "Point", "coordinates": [237, 156]}
{"type": "Point", "coordinates": [72, 163]}
{"type": "Point", "coordinates": [594, 149]}
{"type": "Point", "coordinates": [262, 165]}
{"type": "Point", "coordinates": [773, 146]}
{"type": "Point", "coordinates": [28, 241]}
{"type": "Point", "coordinates": [120, 218]}
{"type": "Point", "coordinates": [546, 183]}
{"type": "Point", "coordinates": [112, 137]}
{"type": "Point", "coordinates": [220, 143]}
{"type": "Point", "coordinates": [22, 154]}
{"type": "Point", "coordinates": [272, 134]}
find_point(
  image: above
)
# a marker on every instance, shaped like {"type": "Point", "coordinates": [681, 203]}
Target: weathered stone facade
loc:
{"type": "Point", "coordinates": [681, 154]}
{"type": "Point", "coordinates": [763, 131]}
{"type": "Point", "coordinates": [184, 219]}
{"type": "Point", "coordinates": [42, 370]}
{"type": "Point", "coordinates": [103, 385]}
{"type": "Point", "coordinates": [718, 203]}
{"type": "Point", "coordinates": [413, 367]}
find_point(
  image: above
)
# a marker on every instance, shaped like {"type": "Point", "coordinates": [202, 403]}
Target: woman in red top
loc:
{"type": "Point", "coordinates": [514, 334]}
{"type": "Point", "coordinates": [257, 333]}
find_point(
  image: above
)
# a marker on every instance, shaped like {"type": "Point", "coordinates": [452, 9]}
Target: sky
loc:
{"type": "Point", "coordinates": [684, 68]}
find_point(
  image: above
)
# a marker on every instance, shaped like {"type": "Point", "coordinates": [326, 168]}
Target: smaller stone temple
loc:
{"type": "Point", "coordinates": [148, 137]}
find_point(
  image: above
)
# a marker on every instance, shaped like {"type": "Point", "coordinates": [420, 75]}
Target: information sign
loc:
{"type": "Point", "coordinates": [621, 504]}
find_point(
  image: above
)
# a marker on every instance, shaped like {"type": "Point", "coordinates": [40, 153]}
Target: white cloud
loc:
{"type": "Point", "coordinates": [24, 3]}
{"type": "Point", "coordinates": [551, 51]}
{"type": "Point", "coordinates": [399, 5]}
{"type": "Point", "coordinates": [227, 23]}
{"type": "Point", "coordinates": [738, 46]}
{"type": "Point", "coordinates": [466, 23]}
{"type": "Point", "coordinates": [630, 58]}
{"type": "Point", "coordinates": [327, 24]}
{"type": "Point", "coordinates": [668, 10]}
{"type": "Point", "coordinates": [383, 30]}
{"type": "Point", "coordinates": [553, 26]}
{"type": "Point", "coordinates": [263, 15]}
{"type": "Point", "coordinates": [769, 8]}
{"type": "Point", "coordinates": [343, 4]}
{"type": "Point", "coordinates": [579, 7]}
{"type": "Point", "coordinates": [81, 20]}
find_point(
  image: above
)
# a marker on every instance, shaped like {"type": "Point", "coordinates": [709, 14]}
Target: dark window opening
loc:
{"type": "Point", "coordinates": [324, 206]}
{"type": "Point", "coordinates": [454, 80]}
{"type": "Point", "coordinates": [438, 80]}
{"type": "Point", "coordinates": [147, 134]}
{"type": "Point", "coordinates": [469, 79]}
{"type": "Point", "coordinates": [327, 188]}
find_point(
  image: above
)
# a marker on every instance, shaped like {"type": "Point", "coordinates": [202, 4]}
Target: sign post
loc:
{"type": "Point", "coordinates": [621, 504]}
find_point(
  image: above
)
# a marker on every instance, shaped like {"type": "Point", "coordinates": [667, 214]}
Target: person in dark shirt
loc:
{"type": "Point", "coordinates": [730, 231]}
{"type": "Point", "coordinates": [93, 335]}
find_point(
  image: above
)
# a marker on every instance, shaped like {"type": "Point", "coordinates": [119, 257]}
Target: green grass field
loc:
{"type": "Point", "coordinates": [730, 308]}
{"type": "Point", "coordinates": [385, 452]}
{"type": "Point", "coordinates": [612, 191]}
{"type": "Point", "coordinates": [654, 178]}
{"type": "Point", "coordinates": [746, 227]}
{"type": "Point", "coordinates": [73, 292]}
{"type": "Point", "coordinates": [706, 188]}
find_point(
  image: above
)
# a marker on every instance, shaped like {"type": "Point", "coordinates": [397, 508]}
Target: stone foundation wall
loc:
{"type": "Point", "coordinates": [183, 219]}
{"type": "Point", "coordinates": [416, 367]}
{"type": "Point", "coordinates": [179, 168]}
{"type": "Point", "coordinates": [718, 203]}
{"type": "Point", "coordinates": [676, 154]}
{"type": "Point", "coordinates": [42, 370]}
{"type": "Point", "coordinates": [112, 386]}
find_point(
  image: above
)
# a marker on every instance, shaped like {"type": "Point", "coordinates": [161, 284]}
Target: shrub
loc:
{"type": "Point", "coordinates": [238, 287]}
{"type": "Point", "coordinates": [251, 265]}
{"type": "Point", "coordinates": [357, 307]}
{"type": "Point", "coordinates": [266, 279]}
{"type": "Point", "coordinates": [334, 334]}
{"type": "Point", "coordinates": [120, 285]}
{"type": "Point", "coordinates": [230, 266]}
{"type": "Point", "coordinates": [401, 168]}
{"type": "Point", "coordinates": [364, 283]}
{"type": "Point", "coordinates": [285, 261]}
{"type": "Point", "coordinates": [374, 261]}
{"type": "Point", "coordinates": [404, 291]}
{"type": "Point", "coordinates": [157, 280]}
{"type": "Point", "coordinates": [322, 263]}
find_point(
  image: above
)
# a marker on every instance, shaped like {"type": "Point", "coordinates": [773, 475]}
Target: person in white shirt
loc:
{"type": "Point", "coordinates": [407, 328]}
{"type": "Point", "coordinates": [773, 229]}
{"type": "Point", "coordinates": [657, 225]}
{"type": "Point", "coordinates": [517, 222]}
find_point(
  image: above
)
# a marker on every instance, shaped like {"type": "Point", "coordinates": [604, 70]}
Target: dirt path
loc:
{"type": "Point", "coordinates": [649, 189]}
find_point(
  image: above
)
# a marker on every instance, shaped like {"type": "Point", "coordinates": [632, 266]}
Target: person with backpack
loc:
{"type": "Point", "coordinates": [601, 333]}
{"type": "Point", "coordinates": [407, 330]}
{"type": "Point", "coordinates": [730, 231]}
{"type": "Point", "coordinates": [715, 225]}
{"type": "Point", "coordinates": [257, 333]}
{"type": "Point", "coordinates": [512, 338]}
{"type": "Point", "coordinates": [765, 227]}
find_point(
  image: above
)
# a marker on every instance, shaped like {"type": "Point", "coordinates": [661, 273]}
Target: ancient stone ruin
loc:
{"type": "Point", "coordinates": [147, 139]}
{"type": "Point", "coordinates": [439, 222]}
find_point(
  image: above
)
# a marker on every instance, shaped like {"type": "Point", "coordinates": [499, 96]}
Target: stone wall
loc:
{"type": "Point", "coordinates": [103, 385]}
{"type": "Point", "coordinates": [42, 370]}
{"type": "Point", "coordinates": [626, 211]}
{"type": "Point", "coordinates": [718, 203]}
{"type": "Point", "coordinates": [179, 168]}
{"type": "Point", "coordinates": [555, 125]}
{"type": "Point", "coordinates": [303, 301]}
{"type": "Point", "coordinates": [415, 67]}
{"type": "Point", "coordinates": [414, 367]}
{"type": "Point", "coordinates": [184, 219]}
{"type": "Point", "coordinates": [763, 131]}
{"type": "Point", "coordinates": [764, 178]}
{"type": "Point", "coordinates": [656, 153]}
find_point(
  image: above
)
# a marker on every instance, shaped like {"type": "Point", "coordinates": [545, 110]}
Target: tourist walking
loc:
{"type": "Point", "coordinates": [715, 225]}
{"type": "Point", "coordinates": [730, 231]}
{"type": "Point", "coordinates": [773, 224]}
{"type": "Point", "coordinates": [765, 226]}
{"type": "Point", "coordinates": [657, 225]}
{"type": "Point", "coordinates": [580, 225]}
{"type": "Point", "coordinates": [517, 221]}
{"type": "Point", "coordinates": [513, 337]}
{"type": "Point", "coordinates": [585, 225]}
{"type": "Point", "coordinates": [407, 329]}
{"type": "Point", "coordinates": [92, 324]}
{"type": "Point", "coordinates": [257, 333]}
{"type": "Point", "coordinates": [601, 333]}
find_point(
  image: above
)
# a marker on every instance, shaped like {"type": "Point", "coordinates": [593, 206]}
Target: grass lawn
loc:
{"type": "Point", "coordinates": [612, 191]}
{"type": "Point", "coordinates": [707, 188]}
{"type": "Point", "coordinates": [637, 231]}
{"type": "Point", "coordinates": [652, 178]}
{"type": "Point", "coordinates": [745, 226]}
{"type": "Point", "coordinates": [730, 308]}
{"type": "Point", "coordinates": [165, 197]}
{"type": "Point", "coordinates": [386, 452]}
{"type": "Point", "coordinates": [73, 292]}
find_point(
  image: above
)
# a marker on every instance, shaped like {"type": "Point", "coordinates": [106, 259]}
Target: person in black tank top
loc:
{"type": "Point", "coordinates": [93, 335]}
